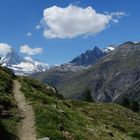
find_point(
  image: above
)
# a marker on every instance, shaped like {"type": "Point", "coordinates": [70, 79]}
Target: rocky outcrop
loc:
{"type": "Point", "coordinates": [89, 57]}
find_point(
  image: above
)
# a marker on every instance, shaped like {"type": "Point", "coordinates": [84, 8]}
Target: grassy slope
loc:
{"type": "Point", "coordinates": [78, 120]}
{"type": "Point", "coordinates": [8, 109]}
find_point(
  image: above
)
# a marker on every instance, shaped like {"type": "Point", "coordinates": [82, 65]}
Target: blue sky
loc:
{"type": "Point", "coordinates": [19, 17]}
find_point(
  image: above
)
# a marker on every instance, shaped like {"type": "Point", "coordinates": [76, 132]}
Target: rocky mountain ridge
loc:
{"type": "Point", "coordinates": [80, 63]}
{"type": "Point", "coordinates": [88, 58]}
{"type": "Point", "coordinates": [108, 78]}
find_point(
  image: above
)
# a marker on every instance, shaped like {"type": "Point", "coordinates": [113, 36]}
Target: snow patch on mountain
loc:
{"type": "Point", "coordinates": [109, 49]}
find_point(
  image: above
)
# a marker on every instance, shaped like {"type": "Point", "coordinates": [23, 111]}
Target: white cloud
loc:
{"type": "Point", "coordinates": [73, 21]}
{"type": "Point", "coordinates": [30, 51]}
{"type": "Point", "coordinates": [5, 48]}
{"type": "Point", "coordinates": [29, 34]}
{"type": "Point", "coordinates": [38, 27]}
{"type": "Point", "coordinates": [118, 14]}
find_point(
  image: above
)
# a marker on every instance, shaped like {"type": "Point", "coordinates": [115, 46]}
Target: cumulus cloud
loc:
{"type": "Point", "coordinates": [29, 34]}
{"type": "Point", "coordinates": [73, 21]}
{"type": "Point", "coordinates": [5, 48]}
{"type": "Point", "coordinates": [30, 51]}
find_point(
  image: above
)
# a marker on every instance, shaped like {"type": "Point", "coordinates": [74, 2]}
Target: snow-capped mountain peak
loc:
{"type": "Point", "coordinates": [20, 65]}
{"type": "Point", "coordinates": [11, 58]}
{"type": "Point", "coordinates": [109, 48]}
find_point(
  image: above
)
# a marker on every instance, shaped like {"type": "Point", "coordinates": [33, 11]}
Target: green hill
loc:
{"type": "Point", "coordinates": [8, 110]}
{"type": "Point", "coordinates": [59, 118]}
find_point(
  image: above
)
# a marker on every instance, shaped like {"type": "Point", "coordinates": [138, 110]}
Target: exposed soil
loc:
{"type": "Point", "coordinates": [27, 125]}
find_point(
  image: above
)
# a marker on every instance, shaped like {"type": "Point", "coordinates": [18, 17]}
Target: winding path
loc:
{"type": "Point", "coordinates": [27, 126]}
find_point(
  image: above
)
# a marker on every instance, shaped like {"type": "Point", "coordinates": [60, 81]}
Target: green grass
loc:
{"type": "Point", "coordinates": [61, 119]}
{"type": "Point", "coordinates": [9, 119]}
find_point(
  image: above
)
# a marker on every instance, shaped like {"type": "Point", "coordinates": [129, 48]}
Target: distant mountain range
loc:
{"type": "Point", "coordinates": [80, 63]}
{"type": "Point", "coordinates": [110, 78]}
{"type": "Point", "coordinates": [27, 66]}
{"type": "Point", "coordinates": [20, 65]}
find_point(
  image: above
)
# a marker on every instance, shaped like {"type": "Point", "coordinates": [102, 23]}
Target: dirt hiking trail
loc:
{"type": "Point", "coordinates": [27, 125]}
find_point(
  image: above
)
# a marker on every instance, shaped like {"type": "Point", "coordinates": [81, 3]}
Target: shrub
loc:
{"type": "Point", "coordinates": [134, 106]}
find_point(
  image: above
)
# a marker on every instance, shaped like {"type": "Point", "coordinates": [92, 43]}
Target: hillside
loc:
{"type": "Point", "coordinates": [8, 110]}
{"type": "Point", "coordinates": [60, 119]}
{"type": "Point", "coordinates": [132, 93]}
{"type": "Point", "coordinates": [53, 76]}
{"type": "Point", "coordinates": [108, 78]}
